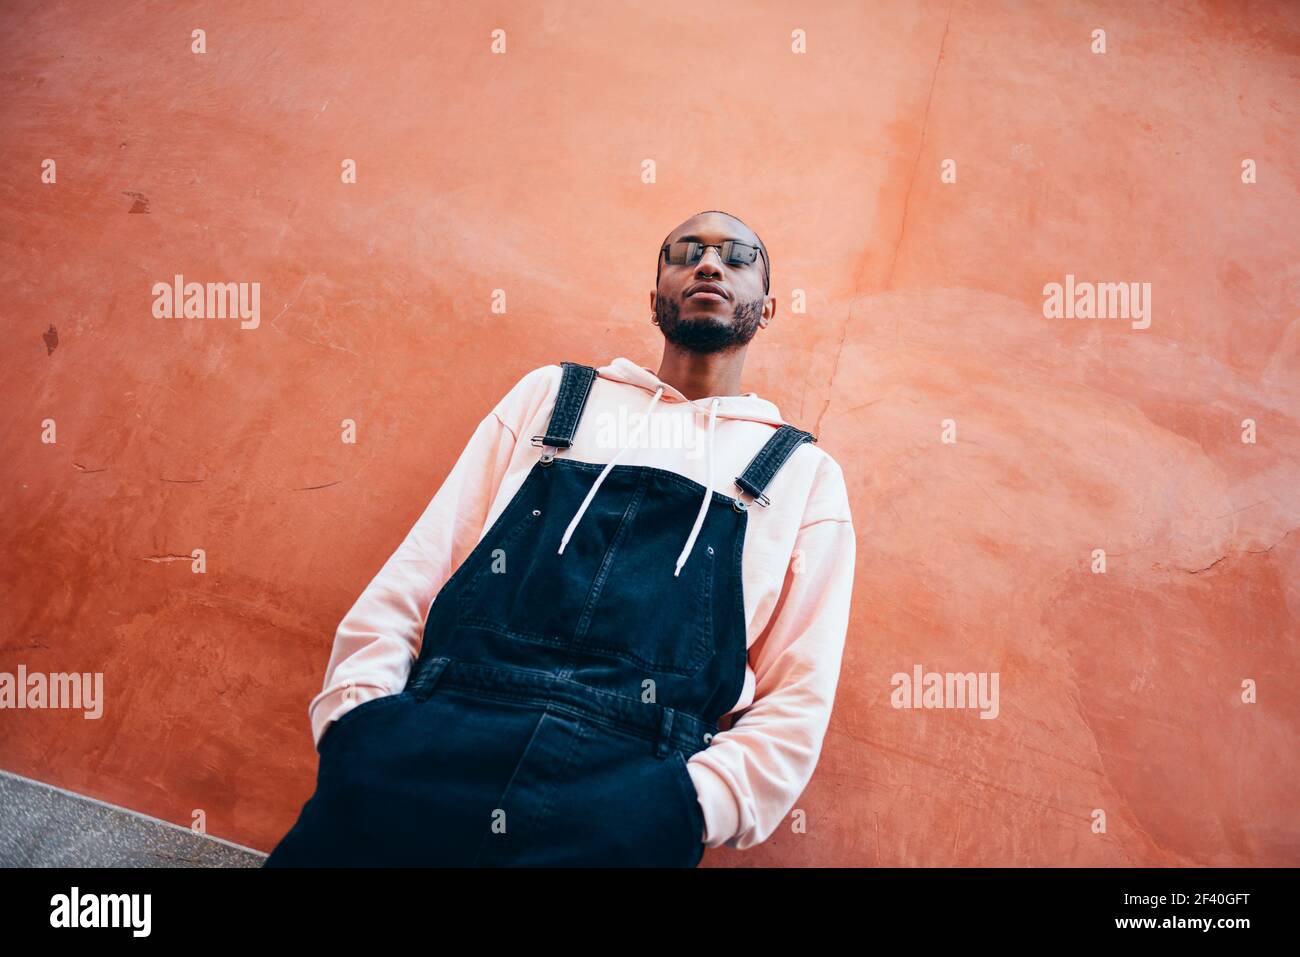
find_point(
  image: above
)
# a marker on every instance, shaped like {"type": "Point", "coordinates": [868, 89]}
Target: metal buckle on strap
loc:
{"type": "Point", "coordinates": [759, 499]}
{"type": "Point", "coordinates": [549, 455]}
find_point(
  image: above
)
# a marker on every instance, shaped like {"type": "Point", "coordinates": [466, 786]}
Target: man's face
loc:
{"type": "Point", "coordinates": [727, 315]}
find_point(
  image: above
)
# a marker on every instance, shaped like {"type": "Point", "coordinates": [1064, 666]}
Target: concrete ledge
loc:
{"type": "Point", "coordinates": [46, 826]}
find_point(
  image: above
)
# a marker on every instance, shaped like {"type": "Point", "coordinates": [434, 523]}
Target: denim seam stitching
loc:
{"type": "Point", "coordinates": [772, 457]}
{"type": "Point", "coordinates": [563, 707]}
{"type": "Point", "coordinates": [470, 588]}
{"type": "Point", "coordinates": [514, 774]}
{"type": "Point", "coordinates": [477, 621]}
{"type": "Point", "coordinates": [577, 686]}
{"type": "Point", "coordinates": [598, 583]}
{"type": "Point", "coordinates": [575, 386]}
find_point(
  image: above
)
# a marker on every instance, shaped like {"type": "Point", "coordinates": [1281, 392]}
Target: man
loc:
{"type": "Point", "coordinates": [614, 635]}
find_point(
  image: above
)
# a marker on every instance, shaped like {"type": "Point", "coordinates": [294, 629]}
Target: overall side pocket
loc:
{"type": "Point", "coordinates": [333, 729]}
{"type": "Point", "coordinates": [694, 813]}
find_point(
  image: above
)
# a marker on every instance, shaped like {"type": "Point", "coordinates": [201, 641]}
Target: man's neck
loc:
{"type": "Point", "coordinates": [696, 376]}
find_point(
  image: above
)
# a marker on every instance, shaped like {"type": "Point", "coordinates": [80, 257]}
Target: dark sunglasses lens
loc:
{"type": "Point", "coordinates": [733, 253]}
{"type": "Point", "coordinates": [683, 254]}
{"type": "Point", "coordinates": [739, 254]}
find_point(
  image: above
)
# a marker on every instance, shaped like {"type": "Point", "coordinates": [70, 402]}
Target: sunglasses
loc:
{"type": "Point", "coordinates": [732, 252]}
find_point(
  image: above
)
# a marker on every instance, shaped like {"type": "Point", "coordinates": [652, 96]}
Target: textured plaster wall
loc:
{"type": "Point", "coordinates": [526, 172]}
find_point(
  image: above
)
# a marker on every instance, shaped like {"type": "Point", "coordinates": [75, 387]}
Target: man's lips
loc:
{"type": "Point", "coordinates": [706, 290]}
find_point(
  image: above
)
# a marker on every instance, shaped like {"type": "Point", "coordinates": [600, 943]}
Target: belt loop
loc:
{"type": "Point", "coordinates": [428, 676]}
{"type": "Point", "coordinates": [664, 744]}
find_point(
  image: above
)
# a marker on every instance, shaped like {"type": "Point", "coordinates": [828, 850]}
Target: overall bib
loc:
{"type": "Point", "coordinates": [557, 696]}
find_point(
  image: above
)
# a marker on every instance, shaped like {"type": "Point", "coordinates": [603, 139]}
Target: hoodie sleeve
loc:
{"type": "Point", "coordinates": [379, 639]}
{"type": "Point", "coordinates": [751, 775]}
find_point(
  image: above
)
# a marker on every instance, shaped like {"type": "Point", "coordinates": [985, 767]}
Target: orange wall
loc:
{"type": "Point", "coordinates": [1118, 691]}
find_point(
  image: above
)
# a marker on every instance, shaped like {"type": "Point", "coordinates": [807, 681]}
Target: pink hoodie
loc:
{"type": "Point", "coordinates": [797, 571]}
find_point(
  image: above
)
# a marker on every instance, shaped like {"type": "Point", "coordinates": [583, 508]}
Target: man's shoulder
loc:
{"type": "Point", "coordinates": [530, 391]}
{"type": "Point", "coordinates": [828, 495]}
{"type": "Point", "coordinates": [539, 380]}
{"type": "Point", "coordinates": [809, 454]}
{"type": "Point", "coordinates": [541, 376]}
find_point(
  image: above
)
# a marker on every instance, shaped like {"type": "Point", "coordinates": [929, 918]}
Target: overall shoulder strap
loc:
{"type": "Point", "coordinates": [575, 386]}
{"type": "Point", "coordinates": [764, 466]}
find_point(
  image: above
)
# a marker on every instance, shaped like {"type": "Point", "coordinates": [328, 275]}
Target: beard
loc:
{"type": "Point", "coordinates": [708, 332]}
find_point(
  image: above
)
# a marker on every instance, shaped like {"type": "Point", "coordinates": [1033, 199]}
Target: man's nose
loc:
{"type": "Point", "coordinates": [710, 264]}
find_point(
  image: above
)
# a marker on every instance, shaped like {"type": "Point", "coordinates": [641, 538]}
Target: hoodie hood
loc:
{"type": "Point", "coordinates": [746, 406]}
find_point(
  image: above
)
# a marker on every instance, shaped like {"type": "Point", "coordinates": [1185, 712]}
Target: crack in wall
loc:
{"type": "Point", "coordinates": [1244, 551]}
{"type": "Point", "coordinates": [902, 231]}
{"type": "Point", "coordinates": [920, 148]}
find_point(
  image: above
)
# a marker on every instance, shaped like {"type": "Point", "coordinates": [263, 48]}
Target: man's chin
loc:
{"type": "Point", "coordinates": [703, 341]}
{"type": "Point", "coordinates": [705, 321]}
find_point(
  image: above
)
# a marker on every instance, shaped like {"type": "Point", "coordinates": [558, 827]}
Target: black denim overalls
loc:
{"type": "Point", "coordinates": [556, 697]}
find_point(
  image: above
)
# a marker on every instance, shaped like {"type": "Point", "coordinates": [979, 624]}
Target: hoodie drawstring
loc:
{"type": "Point", "coordinates": [704, 501]}
{"type": "Point", "coordinates": [601, 478]}
{"type": "Point", "coordinates": [708, 494]}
